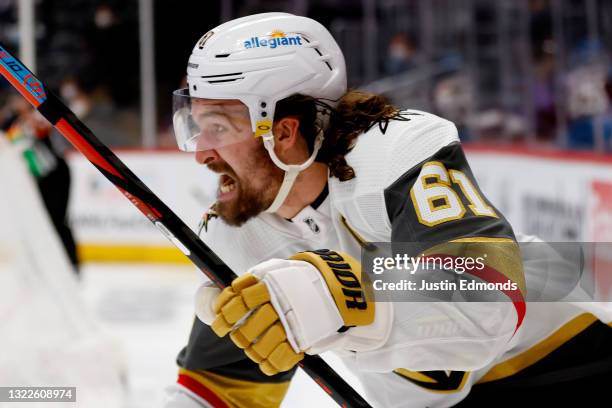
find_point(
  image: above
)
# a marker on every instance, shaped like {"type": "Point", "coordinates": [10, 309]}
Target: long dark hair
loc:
{"type": "Point", "coordinates": [355, 113]}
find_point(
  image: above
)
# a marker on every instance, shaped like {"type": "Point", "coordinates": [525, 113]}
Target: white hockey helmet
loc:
{"type": "Point", "coordinates": [259, 60]}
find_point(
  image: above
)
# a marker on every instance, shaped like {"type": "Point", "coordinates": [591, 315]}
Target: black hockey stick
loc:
{"type": "Point", "coordinates": [83, 139]}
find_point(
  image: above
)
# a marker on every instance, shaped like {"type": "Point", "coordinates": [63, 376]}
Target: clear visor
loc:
{"type": "Point", "coordinates": [203, 124]}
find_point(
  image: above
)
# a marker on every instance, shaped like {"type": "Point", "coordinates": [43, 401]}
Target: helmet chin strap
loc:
{"type": "Point", "coordinates": [291, 170]}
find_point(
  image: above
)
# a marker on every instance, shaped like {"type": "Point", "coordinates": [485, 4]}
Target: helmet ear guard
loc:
{"type": "Point", "coordinates": [261, 59]}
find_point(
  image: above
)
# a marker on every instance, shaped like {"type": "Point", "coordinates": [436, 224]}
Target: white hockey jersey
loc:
{"type": "Point", "coordinates": [433, 352]}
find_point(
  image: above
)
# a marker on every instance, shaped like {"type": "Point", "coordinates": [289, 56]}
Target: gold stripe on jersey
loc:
{"type": "Point", "coordinates": [482, 239]}
{"type": "Point", "coordinates": [360, 240]}
{"type": "Point", "coordinates": [540, 350]}
{"type": "Point", "coordinates": [501, 254]}
{"type": "Point", "coordinates": [415, 375]}
{"type": "Point", "coordinates": [240, 393]}
{"type": "Point", "coordinates": [436, 381]}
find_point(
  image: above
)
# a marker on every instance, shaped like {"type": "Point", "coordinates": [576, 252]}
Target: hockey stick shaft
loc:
{"type": "Point", "coordinates": [83, 139]}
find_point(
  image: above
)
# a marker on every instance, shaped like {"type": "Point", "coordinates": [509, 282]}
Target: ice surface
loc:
{"type": "Point", "coordinates": [149, 309]}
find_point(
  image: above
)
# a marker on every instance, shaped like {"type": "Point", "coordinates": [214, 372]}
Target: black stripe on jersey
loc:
{"type": "Point", "coordinates": [206, 351]}
{"type": "Point", "coordinates": [586, 354]}
{"type": "Point", "coordinates": [578, 370]}
{"type": "Point", "coordinates": [441, 381]}
{"type": "Point", "coordinates": [406, 226]}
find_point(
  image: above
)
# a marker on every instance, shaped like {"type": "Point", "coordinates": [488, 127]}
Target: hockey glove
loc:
{"type": "Point", "coordinates": [282, 308]}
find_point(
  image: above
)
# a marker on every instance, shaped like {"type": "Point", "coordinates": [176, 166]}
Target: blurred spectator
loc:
{"type": "Point", "coordinates": [114, 37]}
{"type": "Point", "coordinates": [73, 95]}
{"type": "Point", "coordinates": [540, 27]}
{"type": "Point", "coordinates": [543, 96]}
{"type": "Point", "coordinates": [590, 125]}
{"type": "Point", "coordinates": [25, 125]}
{"type": "Point", "coordinates": [113, 125]}
{"type": "Point", "coordinates": [453, 99]}
{"type": "Point", "coordinates": [104, 17]}
{"type": "Point", "coordinates": [495, 125]}
{"type": "Point", "coordinates": [401, 54]}
{"type": "Point", "coordinates": [609, 83]}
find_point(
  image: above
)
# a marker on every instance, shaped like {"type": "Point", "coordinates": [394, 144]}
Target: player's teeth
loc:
{"type": "Point", "coordinates": [226, 188]}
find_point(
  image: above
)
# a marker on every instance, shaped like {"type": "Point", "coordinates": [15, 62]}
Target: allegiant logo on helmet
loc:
{"type": "Point", "coordinates": [276, 39]}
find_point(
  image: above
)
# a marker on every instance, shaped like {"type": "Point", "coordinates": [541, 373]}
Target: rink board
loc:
{"type": "Point", "coordinates": [557, 196]}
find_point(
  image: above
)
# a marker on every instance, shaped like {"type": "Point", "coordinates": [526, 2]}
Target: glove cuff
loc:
{"type": "Point", "coordinates": [342, 273]}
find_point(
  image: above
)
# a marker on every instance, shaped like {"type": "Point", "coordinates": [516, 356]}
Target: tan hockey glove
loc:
{"type": "Point", "coordinates": [281, 308]}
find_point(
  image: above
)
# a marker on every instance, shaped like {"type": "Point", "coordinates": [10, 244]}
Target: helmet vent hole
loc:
{"type": "Point", "coordinates": [221, 78]}
{"type": "Point", "coordinates": [320, 55]}
{"type": "Point", "coordinates": [222, 55]}
{"type": "Point", "coordinates": [218, 81]}
{"type": "Point", "coordinates": [221, 75]}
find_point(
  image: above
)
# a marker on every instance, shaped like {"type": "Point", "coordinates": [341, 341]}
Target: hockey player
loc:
{"type": "Point", "coordinates": [309, 176]}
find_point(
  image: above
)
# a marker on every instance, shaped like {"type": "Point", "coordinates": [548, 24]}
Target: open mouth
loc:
{"type": "Point", "coordinates": [227, 184]}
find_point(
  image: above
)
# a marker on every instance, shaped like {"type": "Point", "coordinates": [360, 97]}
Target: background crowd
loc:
{"type": "Point", "coordinates": [534, 72]}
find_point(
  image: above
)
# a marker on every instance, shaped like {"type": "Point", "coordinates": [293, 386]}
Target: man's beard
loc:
{"type": "Point", "coordinates": [250, 201]}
